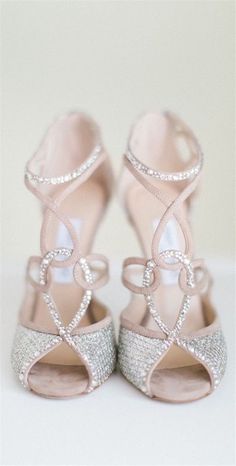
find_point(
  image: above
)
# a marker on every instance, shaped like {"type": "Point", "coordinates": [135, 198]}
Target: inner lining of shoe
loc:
{"type": "Point", "coordinates": [179, 379]}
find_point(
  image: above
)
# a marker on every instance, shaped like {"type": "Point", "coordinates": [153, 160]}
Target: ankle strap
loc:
{"type": "Point", "coordinates": [68, 176]}
{"type": "Point", "coordinates": [179, 128]}
{"type": "Point", "coordinates": [169, 259]}
{"type": "Point", "coordinates": [53, 202]}
{"type": "Point", "coordinates": [90, 272]}
{"type": "Point", "coordinates": [190, 176]}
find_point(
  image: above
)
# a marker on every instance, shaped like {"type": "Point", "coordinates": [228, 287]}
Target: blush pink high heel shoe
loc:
{"type": "Point", "coordinates": [171, 345]}
{"type": "Point", "coordinates": [64, 343]}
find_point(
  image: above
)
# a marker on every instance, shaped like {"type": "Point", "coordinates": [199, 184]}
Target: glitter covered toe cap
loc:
{"type": "Point", "coordinates": [96, 348]}
{"type": "Point", "coordinates": [139, 354]}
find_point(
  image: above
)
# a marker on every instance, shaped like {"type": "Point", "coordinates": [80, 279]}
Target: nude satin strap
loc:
{"type": "Point", "coordinates": [131, 261]}
{"type": "Point", "coordinates": [168, 203]}
{"type": "Point", "coordinates": [172, 209]}
{"type": "Point", "coordinates": [53, 207]}
{"type": "Point", "coordinates": [52, 204]}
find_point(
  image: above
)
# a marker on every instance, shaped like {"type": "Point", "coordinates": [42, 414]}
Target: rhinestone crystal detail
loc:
{"type": "Point", "coordinates": [164, 176]}
{"type": "Point", "coordinates": [178, 258]}
{"type": "Point", "coordinates": [68, 176]}
{"type": "Point", "coordinates": [139, 354]}
{"type": "Point", "coordinates": [96, 349]}
{"type": "Point", "coordinates": [65, 332]}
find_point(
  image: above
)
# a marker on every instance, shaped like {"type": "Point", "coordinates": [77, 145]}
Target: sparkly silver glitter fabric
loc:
{"type": "Point", "coordinates": [138, 354]}
{"type": "Point", "coordinates": [68, 176]}
{"type": "Point", "coordinates": [28, 346]}
{"type": "Point", "coordinates": [210, 350]}
{"type": "Point", "coordinates": [97, 348]}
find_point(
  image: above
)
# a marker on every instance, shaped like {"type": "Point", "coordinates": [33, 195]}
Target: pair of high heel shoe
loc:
{"type": "Point", "coordinates": [171, 345]}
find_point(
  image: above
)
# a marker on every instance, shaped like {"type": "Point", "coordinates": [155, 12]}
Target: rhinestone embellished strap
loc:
{"type": "Point", "coordinates": [164, 176]}
{"type": "Point", "coordinates": [148, 351]}
{"type": "Point", "coordinates": [180, 129]}
{"type": "Point", "coordinates": [169, 259]}
{"type": "Point", "coordinates": [139, 350]}
{"type": "Point", "coordinates": [37, 343]}
{"type": "Point", "coordinates": [53, 202]}
{"type": "Point", "coordinates": [187, 283]}
{"type": "Point", "coordinates": [95, 349]}
{"type": "Point", "coordinates": [68, 176]}
{"type": "Point", "coordinates": [65, 332]}
{"type": "Point", "coordinates": [88, 283]}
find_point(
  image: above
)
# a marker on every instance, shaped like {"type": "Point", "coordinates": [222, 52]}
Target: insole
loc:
{"type": "Point", "coordinates": [57, 380]}
{"type": "Point", "coordinates": [181, 384]}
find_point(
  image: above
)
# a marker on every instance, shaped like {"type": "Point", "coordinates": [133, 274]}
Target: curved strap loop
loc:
{"type": "Point", "coordinates": [169, 259]}
{"type": "Point", "coordinates": [103, 275]}
{"type": "Point", "coordinates": [37, 285]}
{"type": "Point", "coordinates": [53, 204]}
{"type": "Point", "coordinates": [53, 207]}
{"type": "Point", "coordinates": [199, 286]}
{"type": "Point", "coordinates": [145, 290]}
{"type": "Point", "coordinates": [171, 210]}
{"type": "Point", "coordinates": [167, 203]}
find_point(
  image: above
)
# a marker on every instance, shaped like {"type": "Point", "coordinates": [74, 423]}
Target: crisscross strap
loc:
{"type": "Point", "coordinates": [169, 259]}
{"type": "Point", "coordinates": [84, 274]}
{"type": "Point", "coordinates": [53, 203]}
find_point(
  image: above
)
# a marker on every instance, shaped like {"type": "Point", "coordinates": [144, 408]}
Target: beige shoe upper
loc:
{"type": "Point", "coordinates": [171, 345]}
{"type": "Point", "coordinates": [64, 342]}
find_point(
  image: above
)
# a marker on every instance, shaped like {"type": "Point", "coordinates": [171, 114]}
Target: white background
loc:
{"type": "Point", "coordinates": [116, 59]}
